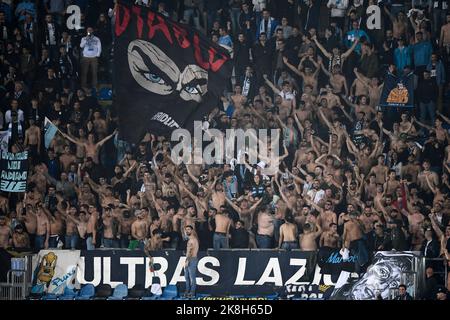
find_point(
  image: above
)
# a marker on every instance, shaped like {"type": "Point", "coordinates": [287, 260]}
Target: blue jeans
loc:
{"type": "Point", "coordinates": [89, 245]}
{"type": "Point", "coordinates": [192, 14]}
{"type": "Point", "coordinates": [427, 108]}
{"type": "Point", "coordinates": [72, 241]}
{"type": "Point", "coordinates": [264, 242]}
{"type": "Point", "coordinates": [124, 241]}
{"type": "Point", "coordinates": [289, 245]}
{"type": "Point", "coordinates": [53, 242]}
{"type": "Point", "coordinates": [190, 275]}
{"type": "Point", "coordinates": [235, 13]}
{"type": "Point", "coordinates": [220, 241]}
{"type": "Point", "coordinates": [39, 242]}
{"type": "Point", "coordinates": [110, 243]}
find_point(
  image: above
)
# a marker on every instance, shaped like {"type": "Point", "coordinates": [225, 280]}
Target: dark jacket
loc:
{"type": "Point", "coordinates": [427, 91]}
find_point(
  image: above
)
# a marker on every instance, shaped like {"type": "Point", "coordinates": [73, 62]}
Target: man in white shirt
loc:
{"type": "Point", "coordinates": [14, 108]}
{"type": "Point", "coordinates": [316, 193]}
{"type": "Point", "coordinates": [338, 10]}
{"type": "Point", "coordinates": [92, 49]}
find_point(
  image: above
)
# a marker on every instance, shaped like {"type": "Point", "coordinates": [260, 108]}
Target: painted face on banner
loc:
{"type": "Point", "coordinates": [384, 274]}
{"type": "Point", "coordinates": [166, 75]}
{"type": "Point", "coordinates": [157, 73]}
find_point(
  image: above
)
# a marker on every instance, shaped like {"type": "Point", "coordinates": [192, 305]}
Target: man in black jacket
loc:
{"type": "Point", "coordinates": [239, 236]}
{"type": "Point", "coordinates": [402, 294]}
{"type": "Point", "coordinates": [427, 95]}
{"type": "Point", "coordinates": [430, 248]}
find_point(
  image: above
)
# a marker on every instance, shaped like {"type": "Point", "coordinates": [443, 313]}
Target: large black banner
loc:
{"type": "Point", "coordinates": [219, 272]}
{"type": "Point", "coordinates": [398, 91]}
{"type": "Point", "coordinates": [224, 273]}
{"type": "Point", "coordinates": [166, 74]}
{"type": "Point", "coordinates": [14, 171]}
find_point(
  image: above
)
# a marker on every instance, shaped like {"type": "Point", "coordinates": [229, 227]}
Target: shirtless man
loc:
{"type": "Point", "coordinates": [42, 229]}
{"type": "Point", "coordinates": [309, 236]}
{"type": "Point", "coordinates": [245, 212]}
{"type": "Point", "coordinates": [20, 239]}
{"type": "Point", "coordinates": [238, 100]}
{"type": "Point", "coordinates": [125, 229]}
{"type": "Point", "coordinates": [66, 159]}
{"type": "Point", "coordinates": [353, 239]}
{"type": "Point", "coordinates": [81, 228]}
{"type": "Point", "coordinates": [374, 89]}
{"type": "Point", "coordinates": [337, 80]}
{"type": "Point", "coordinates": [190, 266]}
{"type": "Point", "coordinates": [288, 234]}
{"type": "Point", "coordinates": [92, 148]}
{"type": "Point", "coordinates": [392, 183]}
{"type": "Point", "coordinates": [399, 24]}
{"type": "Point", "coordinates": [218, 196]}
{"type": "Point", "coordinates": [5, 233]}
{"type": "Point", "coordinates": [30, 221]}
{"type": "Point", "coordinates": [330, 238]}
{"type": "Point", "coordinates": [288, 100]}
{"type": "Point", "coordinates": [91, 228]}
{"type": "Point", "coordinates": [33, 139]}
{"type": "Point", "coordinates": [432, 177]}
{"type": "Point", "coordinates": [415, 220]}
{"type": "Point", "coordinates": [72, 236]}
{"type": "Point", "coordinates": [110, 229]}
{"type": "Point", "coordinates": [40, 182]}
{"type": "Point", "coordinates": [368, 218]}
{"type": "Point", "coordinates": [139, 230]}
{"type": "Point", "coordinates": [309, 77]}
{"type": "Point", "coordinates": [100, 125]}
{"type": "Point", "coordinates": [222, 231]}
{"type": "Point", "coordinates": [56, 228]}
{"type": "Point", "coordinates": [326, 215]}
{"type": "Point", "coordinates": [444, 39]}
{"type": "Point", "coordinates": [265, 231]}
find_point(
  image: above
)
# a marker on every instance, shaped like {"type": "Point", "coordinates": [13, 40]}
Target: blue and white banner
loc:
{"type": "Point", "coordinates": [50, 131]}
{"type": "Point", "coordinates": [54, 270]}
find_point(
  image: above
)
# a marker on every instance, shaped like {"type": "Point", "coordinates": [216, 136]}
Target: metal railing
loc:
{"type": "Point", "coordinates": [18, 280]}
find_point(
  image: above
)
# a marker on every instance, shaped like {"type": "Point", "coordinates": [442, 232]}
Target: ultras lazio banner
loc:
{"type": "Point", "coordinates": [294, 274]}
{"type": "Point", "coordinates": [219, 272]}
{"type": "Point", "coordinates": [166, 74]}
{"type": "Point", "coordinates": [398, 91]}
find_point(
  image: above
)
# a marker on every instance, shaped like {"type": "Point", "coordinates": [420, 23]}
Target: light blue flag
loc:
{"type": "Point", "coordinates": [49, 132]}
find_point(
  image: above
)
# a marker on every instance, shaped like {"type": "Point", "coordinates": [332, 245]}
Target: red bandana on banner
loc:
{"type": "Point", "coordinates": [166, 74]}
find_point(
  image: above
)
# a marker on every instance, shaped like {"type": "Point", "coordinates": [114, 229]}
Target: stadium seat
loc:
{"type": "Point", "coordinates": [136, 293]}
{"type": "Point", "coordinates": [120, 292]}
{"type": "Point", "coordinates": [169, 293]}
{"type": "Point", "coordinates": [86, 292]}
{"type": "Point", "coordinates": [49, 296]}
{"type": "Point", "coordinates": [103, 292]}
{"type": "Point", "coordinates": [69, 294]}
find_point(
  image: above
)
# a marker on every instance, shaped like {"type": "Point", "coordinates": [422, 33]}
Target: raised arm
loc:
{"type": "Point", "coordinates": [350, 50]}
{"type": "Point", "coordinates": [102, 142]}
{"type": "Point", "coordinates": [321, 48]}
{"type": "Point", "coordinates": [71, 139]}
{"type": "Point", "coordinates": [271, 85]}
{"type": "Point", "coordinates": [292, 67]}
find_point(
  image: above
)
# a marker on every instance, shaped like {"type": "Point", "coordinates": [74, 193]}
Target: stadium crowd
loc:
{"type": "Point", "coordinates": [354, 175]}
